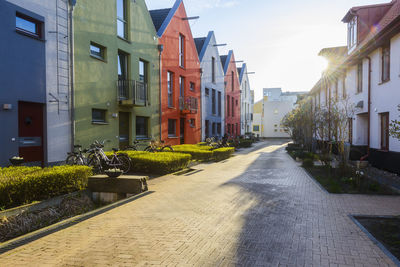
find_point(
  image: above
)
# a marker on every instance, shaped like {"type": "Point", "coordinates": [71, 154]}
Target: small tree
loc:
{"type": "Point", "coordinates": [394, 129]}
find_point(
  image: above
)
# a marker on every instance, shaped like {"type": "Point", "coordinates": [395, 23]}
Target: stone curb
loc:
{"type": "Point", "coordinates": [25, 239]}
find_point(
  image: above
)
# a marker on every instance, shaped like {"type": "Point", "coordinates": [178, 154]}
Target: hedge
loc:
{"type": "Point", "coordinates": [198, 152]}
{"type": "Point", "coordinates": [157, 163]}
{"type": "Point", "coordinates": [23, 185]}
{"type": "Point", "coordinates": [223, 153]}
{"type": "Point", "coordinates": [245, 143]}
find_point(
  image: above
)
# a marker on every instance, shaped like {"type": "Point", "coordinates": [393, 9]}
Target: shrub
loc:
{"type": "Point", "coordinates": [223, 153]}
{"type": "Point", "coordinates": [245, 143]}
{"type": "Point", "coordinates": [157, 163]}
{"type": "Point", "coordinates": [200, 153]}
{"type": "Point", "coordinates": [22, 185]}
{"type": "Point", "coordinates": [308, 163]}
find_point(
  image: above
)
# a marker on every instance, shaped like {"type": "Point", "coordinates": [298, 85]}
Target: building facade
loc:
{"type": "Point", "coordinates": [367, 78]}
{"type": "Point", "coordinates": [245, 100]}
{"type": "Point", "coordinates": [180, 77]}
{"type": "Point", "coordinates": [232, 95]}
{"type": "Point", "coordinates": [116, 67]}
{"type": "Point", "coordinates": [212, 87]}
{"type": "Point", "coordinates": [35, 79]}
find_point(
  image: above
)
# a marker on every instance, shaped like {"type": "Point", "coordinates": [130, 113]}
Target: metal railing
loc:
{"type": "Point", "coordinates": [133, 91]}
{"type": "Point", "coordinates": [188, 103]}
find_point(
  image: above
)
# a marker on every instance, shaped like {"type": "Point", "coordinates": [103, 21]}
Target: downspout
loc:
{"type": "Point", "coordinates": [71, 58]}
{"type": "Point", "coordinates": [160, 49]}
{"type": "Point", "coordinates": [369, 109]}
{"type": "Point", "coordinates": [200, 107]}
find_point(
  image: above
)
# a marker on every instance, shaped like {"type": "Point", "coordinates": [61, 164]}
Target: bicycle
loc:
{"type": "Point", "coordinates": [133, 147]}
{"type": "Point", "coordinates": [76, 158]}
{"type": "Point", "coordinates": [158, 146]}
{"type": "Point", "coordinates": [99, 161]}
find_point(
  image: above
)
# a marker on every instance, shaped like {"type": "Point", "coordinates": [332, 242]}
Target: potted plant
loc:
{"type": "Point", "coordinates": [16, 161]}
{"type": "Point", "coordinates": [113, 173]}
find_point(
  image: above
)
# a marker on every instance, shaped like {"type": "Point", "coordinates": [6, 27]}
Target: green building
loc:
{"type": "Point", "coordinates": [116, 72]}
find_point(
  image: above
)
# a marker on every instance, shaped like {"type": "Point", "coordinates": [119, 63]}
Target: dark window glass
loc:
{"type": "Point", "coordinates": [219, 128]}
{"type": "Point", "coordinates": [214, 128]}
{"type": "Point", "coordinates": [228, 106]}
{"type": "Point", "coordinates": [213, 69]}
{"type": "Point", "coordinates": [181, 86]}
{"type": "Point", "coordinates": [97, 50]}
{"type": "Point", "coordinates": [207, 92]}
{"type": "Point", "coordinates": [192, 123]}
{"type": "Point", "coordinates": [171, 128]}
{"type": "Point", "coordinates": [233, 81]}
{"type": "Point", "coordinates": [219, 103]}
{"type": "Point", "coordinates": [181, 50]}
{"type": "Point", "coordinates": [233, 107]}
{"type": "Point", "coordinates": [214, 108]}
{"type": "Point", "coordinates": [170, 84]}
{"type": "Point", "coordinates": [256, 128]}
{"type": "Point", "coordinates": [141, 127]}
{"type": "Point", "coordinates": [28, 25]}
{"type": "Point", "coordinates": [192, 86]}
{"type": "Point", "coordinates": [99, 115]}
{"type": "Point", "coordinates": [121, 19]}
{"type": "Point", "coordinates": [359, 77]}
{"type": "Point", "coordinates": [122, 66]}
{"type": "Point", "coordinates": [143, 71]}
{"type": "Point", "coordinates": [386, 63]}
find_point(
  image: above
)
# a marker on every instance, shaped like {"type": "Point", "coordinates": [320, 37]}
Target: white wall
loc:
{"type": "Point", "coordinates": [274, 111]}
{"type": "Point", "coordinates": [246, 103]}
{"type": "Point", "coordinates": [57, 36]}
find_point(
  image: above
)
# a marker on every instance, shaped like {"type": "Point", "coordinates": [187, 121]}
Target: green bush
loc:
{"type": "Point", "coordinates": [308, 163]}
{"type": "Point", "coordinates": [22, 185]}
{"type": "Point", "coordinates": [244, 143]}
{"type": "Point", "coordinates": [157, 163]}
{"type": "Point", "coordinates": [198, 152]}
{"type": "Point", "coordinates": [223, 153]}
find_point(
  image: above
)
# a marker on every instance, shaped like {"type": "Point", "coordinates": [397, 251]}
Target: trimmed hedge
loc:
{"type": "Point", "coordinates": [244, 143]}
{"type": "Point", "coordinates": [157, 163]}
{"type": "Point", "coordinates": [198, 152]}
{"type": "Point", "coordinates": [223, 153]}
{"type": "Point", "coordinates": [23, 185]}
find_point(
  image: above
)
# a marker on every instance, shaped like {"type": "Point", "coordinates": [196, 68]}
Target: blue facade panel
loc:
{"type": "Point", "coordinates": [22, 74]}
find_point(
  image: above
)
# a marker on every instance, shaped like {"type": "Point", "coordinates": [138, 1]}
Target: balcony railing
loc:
{"type": "Point", "coordinates": [132, 93]}
{"type": "Point", "coordinates": [188, 104]}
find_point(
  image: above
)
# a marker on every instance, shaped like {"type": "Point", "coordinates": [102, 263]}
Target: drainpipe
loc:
{"type": "Point", "coordinates": [160, 50]}
{"type": "Point", "coordinates": [369, 109]}
{"type": "Point", "coordinates": [71, 58]}
{"type": "Point", "coordinates": [200, 107]}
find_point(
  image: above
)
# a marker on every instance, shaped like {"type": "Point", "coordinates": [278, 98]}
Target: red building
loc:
{"type": "Point", "coordinates": [232, 95]}
{"type": "Point", "coordinates": [180, 76]}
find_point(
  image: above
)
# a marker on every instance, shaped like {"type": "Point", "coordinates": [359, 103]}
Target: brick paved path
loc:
{"type": "Point", "coordinates": [256, 209]}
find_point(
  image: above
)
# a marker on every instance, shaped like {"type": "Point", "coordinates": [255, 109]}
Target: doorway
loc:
{"type": "Point", "coordinates": [123, 129]}
{"type": "Point", "coordinates": [31, 132]}
{"type": "Point", "coordinates": [182, 131]}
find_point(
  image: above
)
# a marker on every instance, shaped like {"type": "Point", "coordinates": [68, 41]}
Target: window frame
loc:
{"type": "Point", "coordinates": [214, 101]}
{"type": "Point", "coordinates": [170, 89]}
{"type": "Point", "coordinates": [385, 60]}
{"type": "Point", "coordinates": [192, 86]}
{"type": "Point", "coordinates": [102, 51]}
{"type": "Point", "coordinates": [181, 86]}
{"type": "Point", "coordinates": [146, 127]}
{"type": "Point", "coordinates": [181, 50]}
{"type": "Point", "coordinates": [103, 120]}
{"type": "Point", "coordinates": [123, 20]}
{"type": "Point", "coordinates": [360, 77]}
{"type": "Point", "coordinates": [213, 69]}
{"type": "Point", "coordinates": [174, 121]}
{"type": "Point", "coordinates": [219, 103]}
{"type": "Point", "coordinates": [39, 25]}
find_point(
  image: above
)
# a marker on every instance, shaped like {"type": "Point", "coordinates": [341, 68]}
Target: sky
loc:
{"type": "Point", "coordinates": [278, 39]}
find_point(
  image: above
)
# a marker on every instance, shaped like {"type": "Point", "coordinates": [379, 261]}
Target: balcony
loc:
{"type": "Point", "coordinates": [188, 104]}
{"type": "Point", "coordinates": [132, 93]}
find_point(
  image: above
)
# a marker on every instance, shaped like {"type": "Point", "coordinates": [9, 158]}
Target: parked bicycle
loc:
{"type": "Point", "coordinates": [99, 161]}
{"type": "Point", "coordinates": [158, 146]}
{"type": "Point", "coordinates": [77, 158]}
{"type": "Point", "coordinates": [133, 147]}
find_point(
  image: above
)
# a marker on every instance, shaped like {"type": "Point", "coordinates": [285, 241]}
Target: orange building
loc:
{"type": "Point", "coordinates": [232, 95]}
{"type": "Point", "coordinates": [180, 76]}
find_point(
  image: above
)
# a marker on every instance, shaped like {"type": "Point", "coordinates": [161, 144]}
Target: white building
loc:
{"type": "Point", "coordinates": [246, 100]}
{"type": "Point", "coordinates": [368, 76]}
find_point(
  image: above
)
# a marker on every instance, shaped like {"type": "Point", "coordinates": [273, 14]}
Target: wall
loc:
{"type": "Point", "coordinates": [274, 111]}
{"type": "Point", "coordinates": [230, 66]}
{"type": "Point", "coordinates": [245, 118]}
{"type": "Point", "coordinates": [96, 80]}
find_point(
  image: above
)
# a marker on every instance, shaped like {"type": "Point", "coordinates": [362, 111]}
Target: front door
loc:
{"type": "Point", "coordinates": [30, 132]}
{"type": "Point", "coordinates": [123, 130]}
{"type": "Point", "coordinates": [182, 131]}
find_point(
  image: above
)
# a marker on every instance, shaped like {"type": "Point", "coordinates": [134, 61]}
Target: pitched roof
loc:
{"type": "Point", "coordinates": [353, 11]}
{"type": "Point", "coordinates": [158, 16]}
{"type": "Point", "coordinates": [199, 42]}
{"type": "Point", "coordinates": [333, 51]}
{"type": "Point", "coordinates": [162, 17]}
{"type": "Point", "coordinates": [223, 60]}
{"type": "Point", "coordinates": [226, 60]}
{"type": "Point", "coordinates": [241, 72]}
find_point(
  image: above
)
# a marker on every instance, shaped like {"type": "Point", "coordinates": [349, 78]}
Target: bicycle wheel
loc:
{"type": "Point", "coordinates": [71, 160]}
{"type": "Point", "coordinates": [124, 163]}
{"type": "Point", "coordinates": [149, 149]}
{"type": "Point", "coordinates": [94, 162]}
{"type": "Point", "coordinates": [167, 149]}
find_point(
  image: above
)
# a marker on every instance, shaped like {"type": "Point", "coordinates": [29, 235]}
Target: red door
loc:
{"type": "Point", "coordinates": [30, 131]}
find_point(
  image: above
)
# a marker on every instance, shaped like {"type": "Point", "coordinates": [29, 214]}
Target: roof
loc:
{"type": "Point", "coordinates": [158, 16]}
{"type": "Point", "coordinates": [333, 51]}
{"type": "Point", "coordinates": [225, 60]}
{"type": "Point", "coordinates": [162, 17]}
{"type": "Point", "coordinates": [353, 11]}
{"type": "Point", "coordinates": [241, 72]}
{"type": "Point", "coordinates": [199, 42]}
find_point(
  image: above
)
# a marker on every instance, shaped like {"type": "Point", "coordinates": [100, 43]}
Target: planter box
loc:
{"type": "Point", "coordinates": [125, 184]}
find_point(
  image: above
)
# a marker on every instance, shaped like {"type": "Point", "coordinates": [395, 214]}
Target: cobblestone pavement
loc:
{"type": "Point", "coordinates": [257, 209]}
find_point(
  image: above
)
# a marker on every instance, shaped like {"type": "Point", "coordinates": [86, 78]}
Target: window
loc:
{"type": "Point", "coordinates": [171, 128]}
{"type": "Point", "coordinates": [385, 131]}
{"type": "Point", "coordinates": [219, 103]}
{"type": "Point", "coordinates": [97, 51]}
{"type": "Point", "coordinates": [352, 33]}
{"type": "Point", "coordinates": [181, 86]}
{"type": "Point", "coordinates": [28, 25]}
{"type": "Point", "coordinates": [233, 107]}
{"type": "Point", "coordinates": [207, 129]}
{"type": "Point", "coordinates": [228, 101]}
{"type": "Point", "coordinates": [181, 50]}
{"type": "Point", "coordinates": [359, 77]}
{"type": "Point", "coordinates": [237, 102]}
{"type": "Point", "coordinates": [229, 128]}
{"type": "Point", "coordinates": [99, 115]}
{"type": "Point", "coordinates": [214, 128]}
{"type": "Point", "coordinates": [237, 128]}
{"type": "Point", "coordinates": [122, 16]}
{"type": "Point", "coordinates": [122, 66]}
{"type": "Point", "coordinates": [256, 128]}
{"type": "Point", "coordinates": [141, 127]}
{"type": "Point", "coordinates": [143, 66]}
{"type": "Point", "coordinates": [214, 102]}
{"type": "Point", "coordinates": [386, 63]}
{"type": "Point", "coordinates": [219, 128]}
{"type": "Point", "coordinates": [213, 69]}
{"type": "Point", "coordinates": [170, 84]}
{"type": "Point", "coordinates": [192, 86]}
{"type": "Point", "coordinates": [233, 81]}
{"type": "Point", "coordinates": [207, 92]}
{"type": "Point", "coordinates": [344, 93]}
{"type": "Point", "coordinates": [192, 123]}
